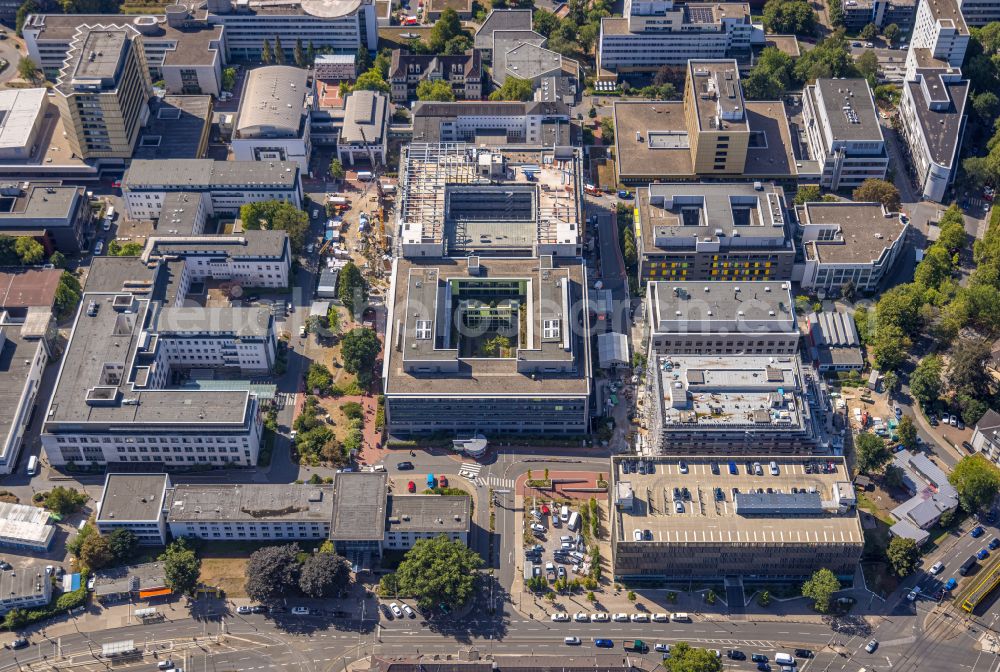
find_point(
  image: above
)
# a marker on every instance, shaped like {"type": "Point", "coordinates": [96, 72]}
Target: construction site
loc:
{"type": "Point", "coordinates": [456, 199]}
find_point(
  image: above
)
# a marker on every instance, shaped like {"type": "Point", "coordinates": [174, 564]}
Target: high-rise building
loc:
{"type": "Point", "coordinates": [940, 27]}
{"type": "Point", "coordinates": [103, 92]}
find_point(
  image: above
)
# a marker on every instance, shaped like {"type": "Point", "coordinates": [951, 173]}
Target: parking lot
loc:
{"type": "Point", "coordinates": [558, 550]}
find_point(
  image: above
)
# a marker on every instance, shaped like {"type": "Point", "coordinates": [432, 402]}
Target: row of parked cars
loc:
{"type": "Point", "coordinates": [604, 617]}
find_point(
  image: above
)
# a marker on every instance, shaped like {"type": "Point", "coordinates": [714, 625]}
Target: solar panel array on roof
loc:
{"type": "Point", "coordinates": [773, 503]}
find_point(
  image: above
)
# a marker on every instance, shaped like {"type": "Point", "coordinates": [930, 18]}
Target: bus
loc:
{"type": "Point", "coordinates": [984, 586]}
{"type": "Point", "coordinates": [32, 466]}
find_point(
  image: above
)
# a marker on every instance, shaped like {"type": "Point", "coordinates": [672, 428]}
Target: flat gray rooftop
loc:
{"type": "Point", "coordinates": [719, 97]}
{"type": "Point", "coordinates": [131, 578]}
{"type": "Point", "coordinates": [252, 502]}
{"type": "Point", "coordinates": [359, 506]}
{"type": "Point", "coordinates": [254, 244]}
{"type": "Point", "coordinates": [100, 56]}
{"type": "Point", "coordinates": [941, 127]}
{"type": "Point", "coordinates": [205, 173]}
{"type": "Point", "coordinates": [112, 337]}
{"type": "Point", "coordinates": [246, 322]}
{"type": "Point", "coordinates": [867, 230]}
{"type": "Point", "coordinates": [16, 355]}
{"type": "Point", "coordinates": [715, 392]}
{"type": "Point", "coordinates": [706, 518]}
{"type": "Point", "coordinates": [429, 513]}
{"type": "Point", "coordinates": [730, 306]}
{"type": "Point", "coordinates": [23, 582]}
{"type": "Point", "coordinates": [850, 109]}
{"type": "Point", "coordinates": [128, 497]}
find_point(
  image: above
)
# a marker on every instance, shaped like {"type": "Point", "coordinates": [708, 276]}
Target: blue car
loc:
{"type": "Point", "coordinates": [977, 531]}
{"type": "Point", "coordinates": [983, 554]}
{"type": "Point", "coordinates": [951, 584]}
{"type": "Point", "coordinates": [994, 544]}
{"type": "Point", "coordinates": [764, 667]}
{"type": "Point", "coordinates": [604, 643]}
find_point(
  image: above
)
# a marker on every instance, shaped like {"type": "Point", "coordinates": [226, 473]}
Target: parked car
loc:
{"type": "Point", "coordinates": [18, 643]}
{"type": "Point", "coordinates": [396, 611]}
{"type": "Point", "coordinates": [600, 617]}
{"type": "Point", "coordinates": [411, 487]}
{"type": "Point", "coordinates": [300, 611]}
{"type": "Point", "coordinates": [977, 531]}
{"type": "Point", "coordinates": [581, 616]}
{"type": "Point", "coordinates": [735, 654]}
{"type": "Point", "coordinates": [682, 465]}
{"type": "Point", "coordinates": [982, 554]}
{"type": "Point", "coordinates": [243, 609]}
{"type": "Point", "coordinates": [913, 594]}
{"type": "Point", "coordinates": [758, 658]}
{"type": "Point", "coordinates": [538, 528]}
{"type": "Point", "coordinates": [560, 617]}
{"type": "Point", "coordinates": [871, 646]}
{"type": "Point", "coordinates": [994, 544]}
{"type": "Point", "coordinates": [408, 610]}
{"type": "Point", "coordinates": [937, 568]}
{"type": "Point", "coordinates": [405, 466]}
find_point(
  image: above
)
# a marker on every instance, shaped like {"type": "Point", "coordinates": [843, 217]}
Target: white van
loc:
{"type": "Point", "coordinates": [782, 658]}
{"type": "Point", "coordinates": [564, 513]}
{"type": "Point", "coordinates": [680, 617]}
{"type": "Point", "coordinates": [32, 466]}
{"type": "Point", "coordinates": [574, 521]}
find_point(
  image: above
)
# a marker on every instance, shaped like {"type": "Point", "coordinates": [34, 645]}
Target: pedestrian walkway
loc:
{"type": "Point", "coordinates": [470, 470]}
{"type": "Point", "coordinates": [735, 598]}
{"type": "Point", "coordinates": [496, 483]}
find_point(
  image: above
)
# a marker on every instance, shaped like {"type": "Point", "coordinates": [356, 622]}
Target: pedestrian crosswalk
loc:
{"type": "Point", "coordinates": [470, 470]}
{"type": "Point", "coordinates": [496, 483]}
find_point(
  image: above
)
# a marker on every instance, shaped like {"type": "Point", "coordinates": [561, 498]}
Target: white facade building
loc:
{"type": "Point", "coordinates": [273, 119]}
{"type": "Point", "coordinates": [940, 27]}
{"type": "Point", "coordinates": [252, 259]}
{"type": "Point", "coordinates": [26, 528]}
{"type": "Point", "coordinates": [198, 337]}
{"type": "Point", "coordinates": [364, 135]}
{"type": "Point", "coordinates": [24, 588]}
{"type": "Point", "coordinates": [846, 242]}
{"type": "Point", "coordinates": [843, 132]}
{"type": "Point", "coordinates": [22, 362]}
{"type": "Point", "coordinates": [135, 502]}
{"type": "Point", "coordinates": [657, 32]}
{"type": "Point", "coordinates": [228, 184]}
{"type": "Point", "coordinates": [511, 123]}
{"type": "Point", "coordinates": [932, 112]}
{"type": "Point", "coordinates": [113, 403]}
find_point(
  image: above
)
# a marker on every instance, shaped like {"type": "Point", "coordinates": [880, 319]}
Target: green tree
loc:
{"type": "Point", "coordinates": [95, 552]}
{"type": "Point", "coordinates": [124, 543]}
{"type": "Point", "coordinates": [925, 382]}
{"type": "Point", "coordinates": [907, 432]}
{"type": "Point", "coordinates": [437, 89]}
{"type": "Point", "coordinates": [228, 79]}
{"type": "Point", "coordinates": [608, 130]}
{"type": "Point", "coordinates": [58, 259]}
{"type": "Point", "coordinates": [808, 193]}
{"type": "Point", "coordinates": [27, 8]}
{"type": "Point", "coordinates": [181, 568]}
{"type": "Point", "coordinates": [790, 16]}
{"type": "Point", "coordinates": [324, 575]}
{"type": "Point", "coordinates": [277, 216]}
{"type": "Point", "coordinates": [831, 57]}
{"type": "Point", "coordinates": [279, 51]}
{"type": "Point", "coordinates": [337, 169]}
{"type": "Point", "coordinates": [986, 105]}
{"type": "Point", "coordinates": [967, 372]}
{"type": "Point", "coordinates": [363, 60]}
{"type": "Point", "coordinates": [311, 53]}
{"type": "Point", "coordinates": [934, 268]}
{"type": "Point", "coordinates": [359, 348]}
{"type": "Point", "coordinates": [371, 80]}
{"type": "Point", "coordinates": [27, 69]}
{"type": "Point", "coordinates": [68, 293]}
{"type": "Point", "coordinates": [439, 571]}
{"type": "Point", "coordinates": [266, 55]}
{"type": "Point", "coordinates": [900, 307]}
{"type": "Point", "coordinates": [447, 26]}
{"type": "Point", "coordinates": [977, 482]}
{"type": "Point", "coordinates": [299, 53]}
{"type": "Point", "coordinates": [868, 32]}
{"type": "Point", "coordinates": [544, 22]}
{"type": "Point", "coordinates": [889, 347]}
{"type": "Point", "coordinates": [514, 88]}
{"type": "Point", "coordinates": [29, 250]}
{"type": "Point", "coordinates": [903, 556]}
{"type": "Point", "coordinates": [351, 288]}
{"type": "Point", "coordinates": [272, 572]}
{"type": "Point", "coordinates": [687, 658]}
{"type": "Point", "coordinates": [870, 452]}
{"type": "Point", "coordinates": [319, 380]}
{"type": "Point", "coordinates": [64, 501]}
{"type": "Point", "coordinates": [867, 65]}
{"type": "Point", "coordinates": [15, 619]}
{"type": "Point", "coordinates": [893, 477]}
{"type": "Point", "coordinates": [887, 94]}
{"type": "Point", "coordinates": [891, 33]}
{"type": "Point", "coordinates": [820, 589]}
{"type": "Point", "coordinates": [759, 85]}
{"type": "Point", "coordinates": [75, 545]}
{"type": "Point", "coordinates": [880, 191]}
{"type": "Point", "coordinates": [498, 346]}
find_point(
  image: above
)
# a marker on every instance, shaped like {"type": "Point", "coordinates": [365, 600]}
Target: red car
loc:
{"type": "Point", "coordinates": [411, 487]}
{"type": "Point", "coordinates": [443, 481]}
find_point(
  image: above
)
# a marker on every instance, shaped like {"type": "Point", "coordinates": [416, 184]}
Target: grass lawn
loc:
{"type": "Point", "coordinates": [226, 573]}
{"type": "Point", "coordinates": [866, 503]}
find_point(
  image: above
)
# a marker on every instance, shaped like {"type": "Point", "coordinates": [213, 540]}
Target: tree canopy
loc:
{"type": "Point", "coordinates": [907, 432]}
{"type": "Point", "coordinates": [687, 658]}
{"type": "Point", "coordinates": [371, 80]}
{"type": "Point", "coordinates": [181, 567]}
{"type": "Point", "coordinates": [437, 89]}
{"type": "Point", "coordinates": [277, 216]}
{"type": "Point", "coordinates": [29, 250]}
{"type": "Point", "coordinates": [359, 349]}
{"type": "Point", "coordinates": [272, 572]}
{"type": "Point", "coordinates": [977, 482]}
{"type": "Point", "coordinates": [925, 381]}
{"type": "Point", "coordinates": [903, 556]}
{"type": "Point", "coordinates": [880, 191]}
{"type": "Point", "coordinates": [324, 575]}
{"type": "Point", "coordinates": [123, 543]}
{"type": "Point", "coordinates": [514, 88]}
{"type": "Point", "coordinates": [95, 553]}
{"type": "Point", "coordinates": [790, 16]}
{"type": "Point", "coordinates": [64, 500]}
{"type": "Point", "coordinates": [871, 453]}
{"type": "Point", "coordinates": [439, 571]}
{"type": "Point", "coordinates": [820, 589]}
